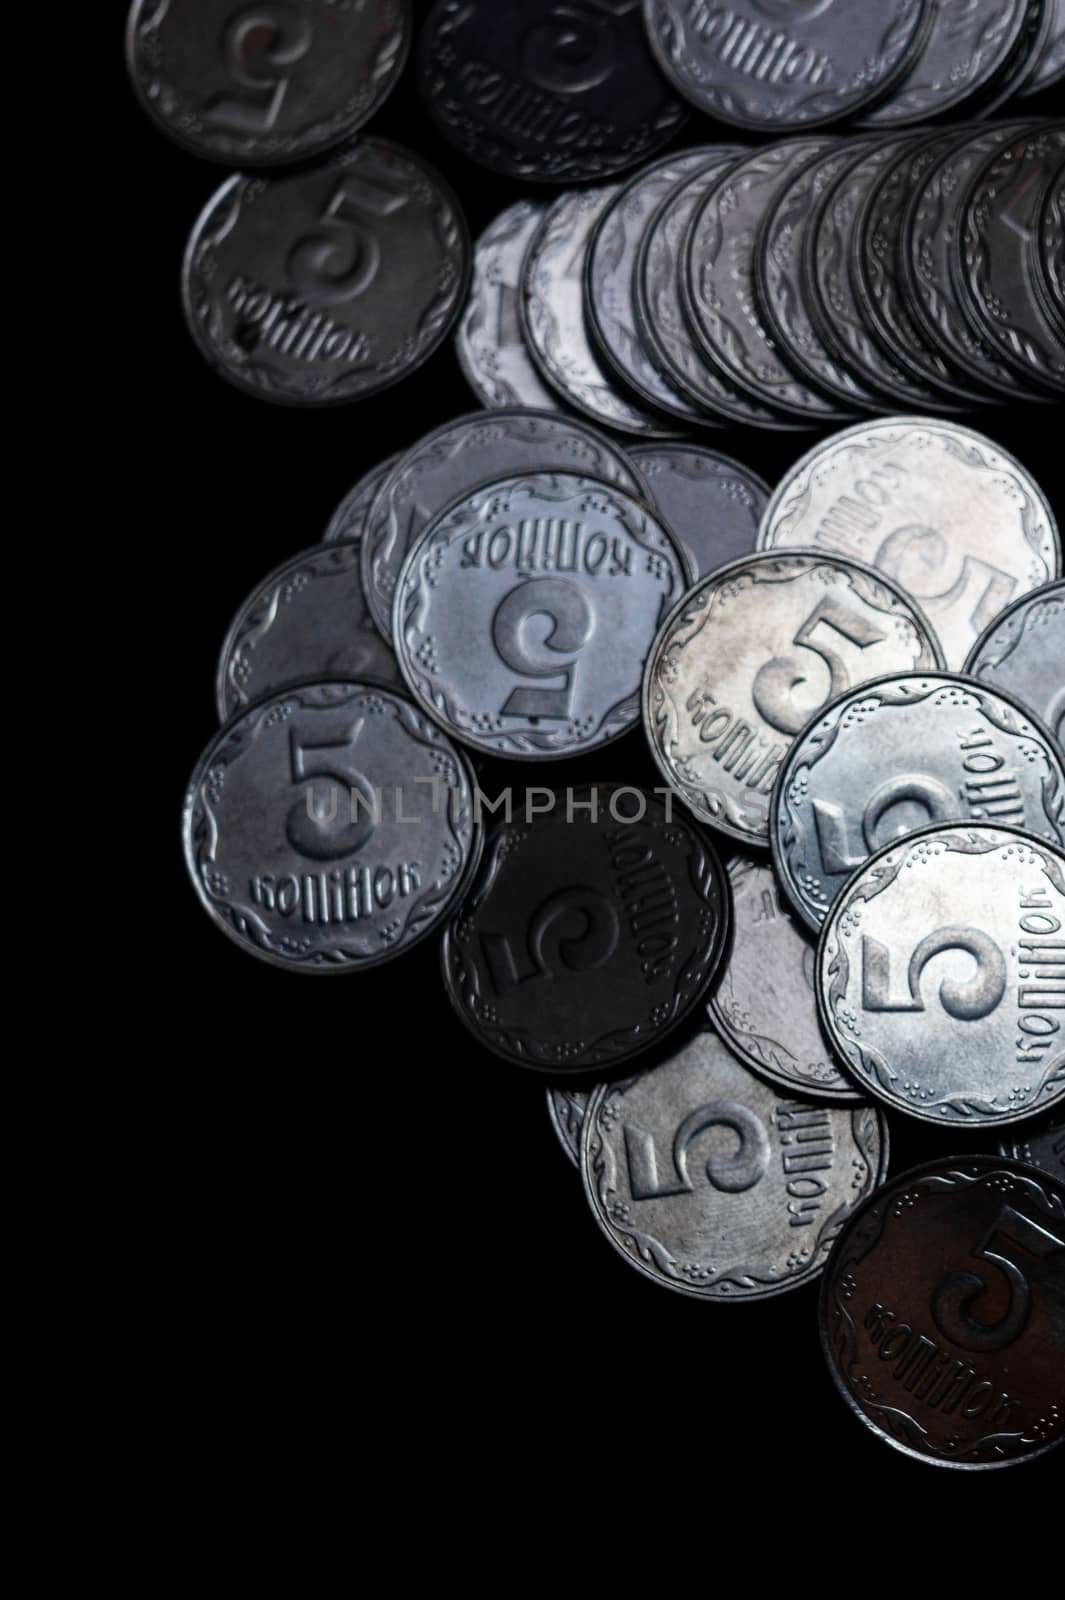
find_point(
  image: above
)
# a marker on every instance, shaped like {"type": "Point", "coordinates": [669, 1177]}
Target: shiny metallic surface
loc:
{"type": "Point", "coordinates": [488, 340]}
{"type": "Point", "coordinates": [566, 1109]}
{"type": "Point", "coordinates": [1023, 652]}
{"type": "Point", "coordinates": [711, 504]}
{"type": "Point", "coordinates": [1049, 66]}
{"type": "Point", "coordinates": [965, 47]}
{"type": "Point", "coordinates": [1041, 1145]}
{"type": "Point", "coordinates": [349, 519]}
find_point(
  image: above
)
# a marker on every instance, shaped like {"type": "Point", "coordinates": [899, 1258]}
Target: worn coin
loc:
{"type": "Point", "coordinates": [942, 1313]}
{"type": "Point", "coordinates": [764, 1004]}
{"type": "Point", "coordinates": [349, 519]}
{"type": "Point", "coordinates": [525, 612]}
{"type": "Point", "coordinates": [552, 311]}
{"type": "Point", "coordinates": [939, 975]}
{"type": "Point", "coordinates": [1041, 1146]}
{"type": "Point", "coordinates": [260, 85]}
{"type": "Point", "coordinates": [488, 340]}
{"type": "Point", "coordinates": [954, 520]}
{"type": "Point", "coordinates": [1023, 650]}
{"type": "Point", "coordinates": [747, 658]}
{"type": "Point", "coordinates": [329, 284]}
{"type": "Point", "coordinates": [1049, 65]}
{"type": "Point", "coordinates": [454, 459]}
{"type": "Point", "coordinates": [711, 1182]}
{"type": "Point", "coordinates": [963, 50]}
{"type": "Point", "coordinates": [896, 755]}
{"type": "Point", "coordinates": [329, 827]}
{"type": "Point", "coordinates": [711, 504]}
{"type": "Point", "coordinates": [547, 91]}
{"type": "Point", "coordinates": [566, 1108]}
{"type": "Point", "coordinates": [591, 930]}
{"type": "Point", "coordinates": [777, 65]}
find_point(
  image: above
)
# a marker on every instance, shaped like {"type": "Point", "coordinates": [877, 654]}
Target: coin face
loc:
{"type": "Point", "coordinates": [488, 340]}
{"type": "Point", "coordinates": [899, 754]}
{"type": "Point", "coordinates": [711, 1182]}
{"type": "Point", "coordinates": [749, 656]}
{"type": "Point", "coordinates": [1022, 650]}
{"type": "Point", "coordinates": [456, 458]}
{"type": "Point", "coordinates": [711, 504]}
{"type": "Point", "coordinates": [308, 619]}
{"type": "Point", "coordinates": [954, 520]}
{"type": "Point", "coordinates": [1049, 65]}
{"type": "Point", "coordinates": [329, 284]}
{"type": "Point", "coordinates": [776, 65]}
{"type": "Point", "coordinates": [260, 85]}
{"type": "Point", "coordinates": [964, 47]}
{"type": "Point", "coordinates": [941, 1312]}
{"type": "Point", "coordinates": [593, 927]}
{"type": "Point", "coordinates": [524, 614]}
{"type": "Point", "coordinates": [1041, 1146]}
{"type": "Point", "coordinates": [1048, 251]}
{"type": "Point", "coordinates": [939, 975]}
{"type": "Point", "coordinates": [349, 519]}
{"type": "Point", "coordinates": [555, 92]}
{"type": "Point", "coordinates": [566, 1108]}
{"type": "Point", "coordinates": [329, 827]}
{"type": "Point", "coordinates": [764, 1004]}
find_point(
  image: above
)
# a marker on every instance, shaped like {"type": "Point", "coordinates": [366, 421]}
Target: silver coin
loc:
{"type": "Point", "coordinates": [954, 520]}
{"type": "Point", "coordinates": [566, 1109]}
{"type": "Point", "coordinates": [899, 754]}
{"type": "Point", "coordinates": [1049, 65]}
{"type": "Point", "coordinates": [329, 284]}
{"type": "Point", "coordinates": [963, 49]}
{"type": "Point", "coordinates": [939, 975]}
{"type": "Point", "coordinates": [330, 827]}
{"type": "Point", "coordinates": [552, 310]}
{"type": "Point", "coordinates": [456, 458]}
{"type": "Point", "coordinates": [349, 519]}
{"type": "Point", "coordinates": [712, 1182]}
{"type": "Point", "coordinates": [488, 340]}
{"type": "Point", "coordinates": [1023, 652]}
{"type": "Point", "coordinates": [777, 65]}
{"type": "Point", "coordinates": [524, 613]}
{"type": "Point", "coordinates": [1042, 1146]}
{"type": "Point", "coordinates": [711, 504]}
{"type": "Point", "coordinates": [748, 657]}
{"type": "Point", "coordinates": [308, 619]}
{"type": "Point", "coordinates": [764, 1005]}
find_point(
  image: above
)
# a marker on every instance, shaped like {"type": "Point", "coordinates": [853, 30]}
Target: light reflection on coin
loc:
{"type": "Point", "coordinates": [488, 340]}
{"type": "Point", "coordinates": [711, 504]}
{"type": "Point", "coordinates": [1023, 651]}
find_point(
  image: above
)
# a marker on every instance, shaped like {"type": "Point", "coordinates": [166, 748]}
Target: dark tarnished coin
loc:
{"type": "Point", "coordinates": [260, 85]}
{"type": "Point", "coordinates": [308, 619]}
{"type": "Point", "coordinates": [718, 281]}
{"type": "Point", "coordinates": [349, 519]}
{"type": "Point", "coordinates": [329, 284]}
{"type": "Point", "coordinates": [1047, 247]}
{"type": "Point", "coordinates": [547, 91]}
{"type": "Point", "coordinates": [524, 614]}
{"type": "Point", "coordinates": [940, 979]}
{"type": "Point", "coordinates": [593, 927]}
{"type": "Point", "coordinates": [329, 827]}
{"type": "Point", "coordinates": [1049, 66]}
{"type": "Point", "coordinates": [748, 657]}
{"type": "Point", "coordinates": [458, 457]}
{"type": "Point", "coordinates": [777, 65]}
{"type": "Point", "coordinates": [488, 341]}
{"type": "Point", "coordinates": [899, 754]}
{"type": "Point", "coordinates": [943, 1313]}
{"type": "Point", "coordinates": [764, 1004]}
{"type": "Point", "coordinates": [552, 310]}
{"type": "Point", "coordinates": [1023, 652]}
{"type": "Point", "coordinates": [566, 1108]}
{"type": "Point", "coordinates": [711, 1182]}
{"type": "Point", "coordinates": [1041, 1146]}
{"type": "Point", "coordinates": [964, 48]}
{"type": "Point", "coordinates": [711, 504]}
{"type": "Point", "coordinates": [952, 518]}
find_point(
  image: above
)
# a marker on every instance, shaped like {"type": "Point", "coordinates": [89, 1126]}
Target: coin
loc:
{"type": "Point", "coordinates": [1041, 1146]}
{"type": "Point", "coordinates": [764, 1004]}
{"type": "Point", "coordinates": [566, 1108]}
{"type": "Point", "coordinates": [939, 975]}
{"type": "Point", "coordinates": [711, 504]}
{"type": "Point", "coordinates": [349, 519]}
{"type": "Point", "coordinates": [592, 929]}
{"type": "Point", "coordinates": [1022, 650]}
{"type": "Point", "coordinates": [1049, 67]}
{"type": "Point", "coordinates": [898, 754]}
{"type": "Point", "coordinates": [1021, 63]}
{"type": "Point", "coordinates": [524, 613]}
{"type": "Point", "coordinates": [552, 310]}
{"type": "Point", "coordinates": [308, 619]}
{"type": "Point", "coordinates": [454, 459]}
{"type": "Point", "coordinates": [556, 93]}
{"type": "Point", "coordinates": [711, 1182]}
{"type": "Point", "coordinates": [261, 85]}
{"type": "Point", "coordinates": [329, 284]}
{"type": "Point", "coordinates": [941, 1313]}
{"type": "Point", "coordinates": [329, 827]}
{"type": "Point", "coordinates": [745, 660]}
{"type": "Point", "coordinates": [1048, 251]}
{"type": "Point", "coordinates": [488, 341]}
{"type": "Point", "coordinates": [963, 50]}
{"type": "Point", "coordinates": [777, 65]}
{"type": "Point", "coordinates": [954, 520]}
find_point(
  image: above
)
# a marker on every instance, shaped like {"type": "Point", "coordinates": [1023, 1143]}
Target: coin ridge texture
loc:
{"type": "Point", "coordinates": [929, 1323]}
{"type": "Point", "coordinates": [496, 363]}
{"type": "Point", "coordinates": [963, 49]}
{"type": "Point", "coordinates": [712, 1182]}
{"type": "Point", "coordinates": [566, 1109]}
{"type": "Point", "coordinates": [1011, 644]}
{"type": "Point", "coordinates": [348, 521]}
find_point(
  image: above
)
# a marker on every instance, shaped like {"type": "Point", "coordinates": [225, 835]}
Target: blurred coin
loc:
{"type": "Point", "coordinates": [349, 519]}
{"type": "Point", "coordinates": [1049, 65]}
{"type": "Point", "coordinates": [1012, 78]}
{"type": "Point", "coordinates": [963, 51]}
{"type": "Point", "coordinates": [1047, 247]}
{"type": "Point", "coordinates": [488, 342]}
{"type": "Point", "coordinates": [1041, 1145]}
{"type": "Point", "coordinates": [711, 504]}
{"type": "Point", "coordinates": [566, 1108]}
{"type": "Point", "coordinates": [1022, 650]}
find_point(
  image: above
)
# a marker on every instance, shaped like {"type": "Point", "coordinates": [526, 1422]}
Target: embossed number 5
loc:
{"type": "Point", "coordinates": [285, 39]}
{"type": "Point", "coordinates": [953, 1300]}
{"type": "Point", "coordinates": [732, 1173]}
{"type": "Point", "coordinates": [776, 681]}
{"type": "Point", "coordinates": [314, 832]}
{"type": "Point", "coordinates": [968, 1000]}
{"type": "Point", "coordinates": [346, 241]}
{"type": "Point", "coordinates": [571, 621]}
{"type": "Point", "coordinates": [573, 931]}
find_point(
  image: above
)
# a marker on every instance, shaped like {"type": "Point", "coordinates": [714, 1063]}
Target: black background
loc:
{"type": "Point", "coordinates": [367, 1209]}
